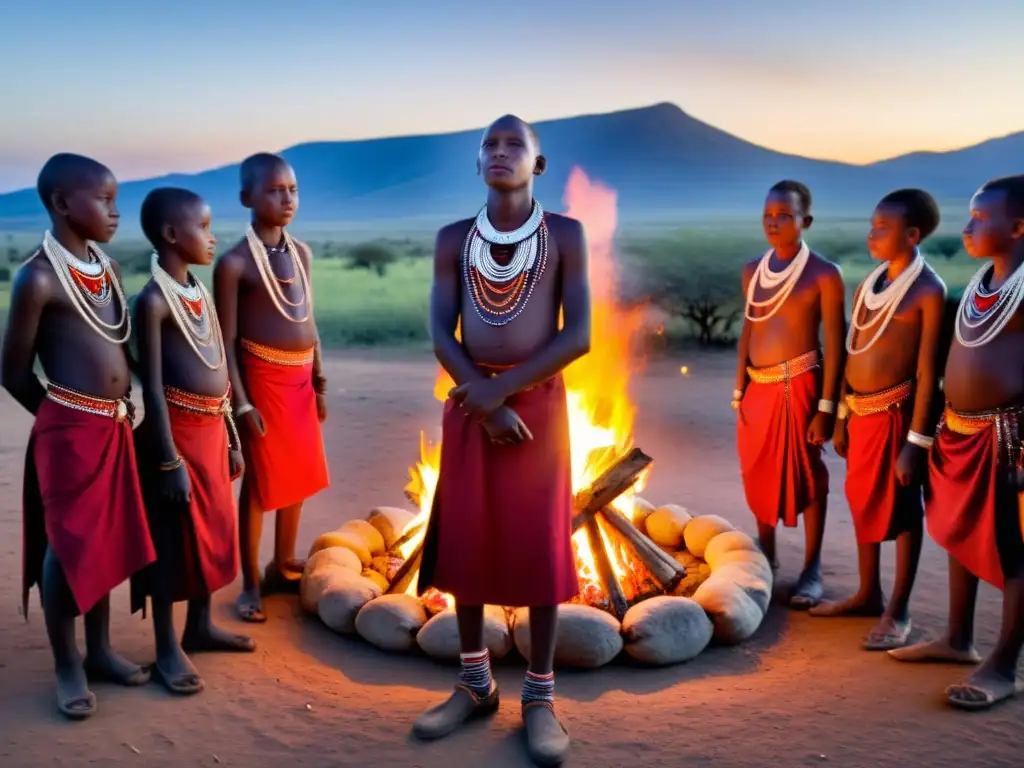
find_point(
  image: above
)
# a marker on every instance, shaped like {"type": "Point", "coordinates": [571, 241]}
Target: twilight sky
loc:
{"type": "Point", "coordinates": [151, 86]}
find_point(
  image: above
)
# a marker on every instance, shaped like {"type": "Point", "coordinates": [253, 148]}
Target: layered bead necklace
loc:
{"type": "Point", "coordinates": [500, 292]}
{"type": "Point", "coordinates": [90, 285]}
{"type": "Point", "coordinates": [193, 312]}
{"type": "Point", "coordinates": [777, 284]}
{"type": "Point", "coordinates": [883, 304]}
{"type": "Point", "coordinates": [273, 283]}
{"type": "Point", "coordinates": [989, 310]}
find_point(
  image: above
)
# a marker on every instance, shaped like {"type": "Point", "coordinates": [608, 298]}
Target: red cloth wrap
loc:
{"type": "Point", "coordinates": [287, 465]}
{"type": "Point", "coordinates": [881, 508]}
{"type": "Point", "coordinates": [500, 531]}
{"type": "Point", "coordinates": [964, 498]}
{"type": "Point", "coordinates": [196, 546]}
{"type": "Point", "coordinates": [83, 499]}
{"type": "Point", "coordinates": [783, 474]}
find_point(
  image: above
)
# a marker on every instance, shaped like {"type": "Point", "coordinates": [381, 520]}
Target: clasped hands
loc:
{"type": "Point", "coordinates": [484, 401]}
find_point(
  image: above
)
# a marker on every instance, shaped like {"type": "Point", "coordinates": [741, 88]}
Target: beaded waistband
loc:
{"type": "Point", "coordinates": [866, 405]}
{"type": "Point", "coordinates": [117, 410]}
{"type": "Point", "coordinates": [205, 405]}
{"type": "Point", "coordinates": [1004, 421]}
{"type": "Point", "coordinates": [201, 404]}
{"type": "Point", "coordinates": [774, 374]}
{"type": "Point", "coordinates": [278, 356]}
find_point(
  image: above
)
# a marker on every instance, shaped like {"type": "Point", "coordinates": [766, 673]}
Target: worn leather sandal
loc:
{"type": "Point", "coordinates": [547, 740]}
{"type": "Point", "coordinates": [461, 707]}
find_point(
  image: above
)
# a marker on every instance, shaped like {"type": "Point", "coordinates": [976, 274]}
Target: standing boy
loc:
{"type": "Point", "coordinates": [278, 388]}
{"type": "Point", "coordinates": [886, 418]}
{"type": "Point", "coordinates": [85, 528]}
{"type": "Point", "coordinates": [786, 401]}
{"type": "Point", "coordinates": [186, 461]}
{"type": "Point", "coordinates": [500, 528]}
{"type": "Point", "coordinates": [973, 498]}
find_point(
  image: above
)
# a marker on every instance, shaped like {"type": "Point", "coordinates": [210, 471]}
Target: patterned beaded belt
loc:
{"type": "Point", "coordinates": [1006, 422]}
{"type": "Point", "coordinates": [278, 356]}
{"type": "Point", "coordinates": [866, 405]}
{"type": "Point", "coordinates": [118, 410]}
{"type": "Point", "coordinates": [786, 371]}
{"type": "Point", "coordinates": [204, 405]}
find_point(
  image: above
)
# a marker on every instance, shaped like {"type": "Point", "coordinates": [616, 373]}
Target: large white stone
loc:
{"type": "Point", "coordinates": [702, 529]}
{"type": "Point", "coordinates": [439, 637]}
{"type": "Point", "coordinates": [341, 601]}
{"type": "Point", "coordinates": [666, 630]}
{"type": "Point", "coordinates": [736, 617]}
{"type": "Point", "coordinates": [587, 637]}
{"type": "Point", "coordinates": [391, 622]}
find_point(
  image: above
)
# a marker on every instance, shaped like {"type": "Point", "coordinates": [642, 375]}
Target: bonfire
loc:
{"type": "Point", "coordinates": [638, 566]}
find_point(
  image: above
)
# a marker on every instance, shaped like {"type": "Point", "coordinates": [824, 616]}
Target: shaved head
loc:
{"type": "Point", "coordinates": [166, 205]}
{"type": "Point", "coordinates": [506, 122]}
{"type": "Point", "coordinates": [255, 167]}
{"type": "Point", "coordinates": [68, 173]}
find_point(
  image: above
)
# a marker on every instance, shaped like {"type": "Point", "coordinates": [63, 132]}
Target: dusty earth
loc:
{"type": "Point", "coordinates": [800, 693]}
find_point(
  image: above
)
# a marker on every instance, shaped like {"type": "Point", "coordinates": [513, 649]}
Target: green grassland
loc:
{"type": "Point", "coordinates": [373, 290]}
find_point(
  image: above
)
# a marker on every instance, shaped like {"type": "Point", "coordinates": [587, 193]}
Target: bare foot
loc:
{"type": "Point", "coordinates": [74, 699]}
{"type": "Point", "coordinates": [808, 590]}
{"type": "Point", "coordinates": [935, 652]}
{"type": "Point", "coordinates": [983, 689]}
{"type": "Point", "coordinates": [872, 606]}
{"type": "Point", "coordinates": [888, 634]}
{"type": "Point", "coordinates": [249, 606]}
{"type": "Point", "coordinates": [111, 667]}
{"type": "Point", "coordinates": [175, 671]}
{"type": "Point", "coordinates": [213, 638]}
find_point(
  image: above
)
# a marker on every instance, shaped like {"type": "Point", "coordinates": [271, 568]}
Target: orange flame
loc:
{"type": "Point", "coordinates": [601, 413]}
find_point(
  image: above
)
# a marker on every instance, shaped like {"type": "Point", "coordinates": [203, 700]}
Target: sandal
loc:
{"type": "Point", "coordinates": [184, 684]}
{"type": "Point", "coordinates": [547, 740]}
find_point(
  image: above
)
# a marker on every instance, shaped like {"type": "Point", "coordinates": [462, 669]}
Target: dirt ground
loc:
{"type": "Point", "coordinates": [799, 693]}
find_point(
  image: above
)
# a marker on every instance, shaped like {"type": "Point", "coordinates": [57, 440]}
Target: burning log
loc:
{"type": "Point", "coordinates": [616, 599]}
{"type": "Point", "coordinates": [615, 481]}
{"type": "Point", "coordinates": [409, 535]}
{"type": "Point", "coordinates": [407, 572]}
{"type": "Point", "coordinates": [666, 571]}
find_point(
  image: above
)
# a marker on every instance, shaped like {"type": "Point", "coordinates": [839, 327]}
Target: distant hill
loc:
{"type": "Point", "coordinates": [662, 162]}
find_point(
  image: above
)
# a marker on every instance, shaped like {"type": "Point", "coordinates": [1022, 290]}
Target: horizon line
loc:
{"type": "Point", "coordinates": [559, 118]}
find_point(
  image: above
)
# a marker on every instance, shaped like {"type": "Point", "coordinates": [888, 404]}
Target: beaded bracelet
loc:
{"type": "Point", "coordinates": [921, 441]}
{"type": "Point", "coordinates": [170, 466]}
{"type": "Point", "coordinates": [842, 412]}
{"type": "Point", "coordinates": [826, 406]}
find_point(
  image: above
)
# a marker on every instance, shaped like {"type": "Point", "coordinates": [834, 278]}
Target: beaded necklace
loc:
{"type": "Point", "coordinates": [990, 310]}
{"type": "Point", "coordinates": [196, 318]}
{"type": "Point", "coordinates": [778, 284]}
{"type": "Point", "coordinates": [883, 303]}
{"type": "Point", "coordinates": [273, 283]}
{"type": "Point", "coordinates": [500, 292]}
{"type": "Point", "coordinates": [89, 285]}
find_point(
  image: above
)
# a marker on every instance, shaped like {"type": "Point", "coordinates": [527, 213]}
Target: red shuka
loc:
{"type": "Point", "coordinates": [82, 498]}
{"type": "Point", "coordinates": [287, 465]}
{"type": "Point", "coordinates": [965, 498]}
{"type": "Point", "coordinates": [197, 543]}
{"type": "Point", "coordinates": [783, 474]}
{"type": "Point", "coordinates": [500, 531]}
{"type": "Point", "coordinates": [881, 508]}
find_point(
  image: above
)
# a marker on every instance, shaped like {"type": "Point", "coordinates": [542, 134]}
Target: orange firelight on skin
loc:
{"type": "Point", "coordinates": [601, 412]}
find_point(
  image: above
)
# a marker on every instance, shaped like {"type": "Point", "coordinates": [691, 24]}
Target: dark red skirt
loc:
{"type": "Point", "coordinates": [500, 531]}
{"type": "Point", "coordinates": [288, 464]}
{"type": "Point", "coordinates": [783, 474]}
{"type": "Point", "coordinates": [971, 507]}
{"type": "Point", "coordinates": [881, 508]}
{"type": "Point", "coordinates": [82, 498]}
{"type": "Point", "coordinates": [196, 544]}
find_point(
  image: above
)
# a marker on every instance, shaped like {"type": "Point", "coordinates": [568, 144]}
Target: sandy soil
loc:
{"type": "Point", "coordinates": [800, 693]}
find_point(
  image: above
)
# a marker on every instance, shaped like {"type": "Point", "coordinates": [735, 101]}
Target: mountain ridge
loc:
{"type": "Point", "coordinates": [661, 161]}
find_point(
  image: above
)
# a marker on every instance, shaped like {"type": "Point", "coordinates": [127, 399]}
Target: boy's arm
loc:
{"type": "Point", "coordinates": [150, 312]}
{"type": "Point", "coordinates": [743, 345]}
{"type": "Point", "coordinates": [30, 294]}
{"type": "Point", "coordinates": [319, 380]}
{"type": "Point", "coordinates": [227, 278]}
{"type": "Point", "coordinates": [932, 309]}
{"type": "Point", "coordinates": [833, 318]}
{"type": "Point", "coordinates": [445, 302]}
{"type": "Point", "coordinates": [573, 340]}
